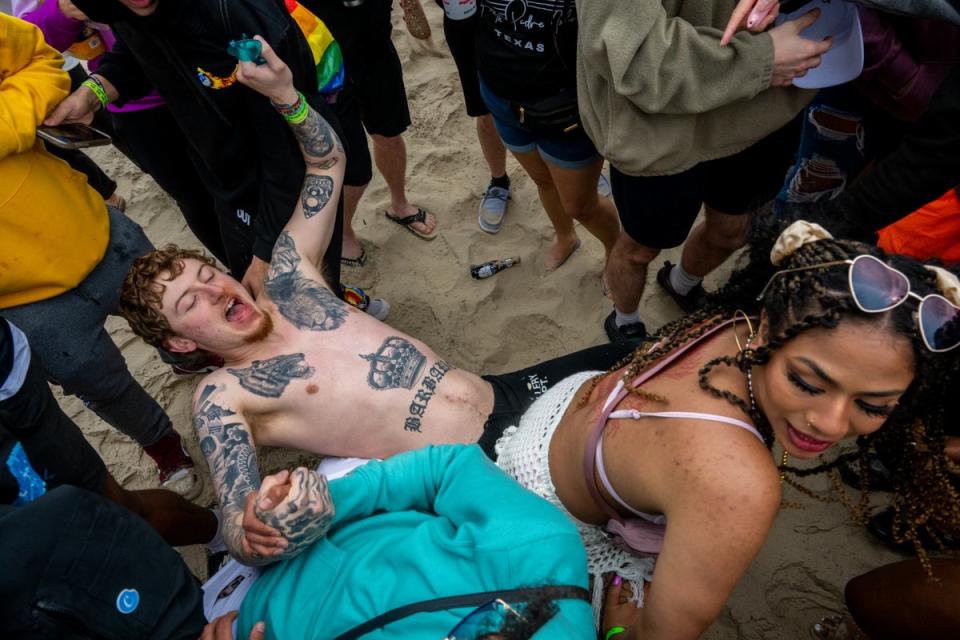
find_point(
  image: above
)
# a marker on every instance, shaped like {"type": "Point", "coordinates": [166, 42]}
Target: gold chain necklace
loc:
{"type": "Point", "coordinates": [753, 400]}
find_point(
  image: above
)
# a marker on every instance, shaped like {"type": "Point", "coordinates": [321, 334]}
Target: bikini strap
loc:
{"type": "Point", "coordinates": [616, 396]}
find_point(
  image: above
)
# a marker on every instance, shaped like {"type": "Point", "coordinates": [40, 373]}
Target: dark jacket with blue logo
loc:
{"type": "Point", "coordinates": [78, 566]}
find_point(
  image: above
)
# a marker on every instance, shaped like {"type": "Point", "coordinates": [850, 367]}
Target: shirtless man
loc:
{"type": "Point", "coordinates": [302, 368]}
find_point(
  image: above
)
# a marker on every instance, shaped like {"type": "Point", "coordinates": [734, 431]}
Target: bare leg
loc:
{"type": "Point", "coordinates": [178, 521]}
{"type": "Point", "coordinates": [626, 272]}
{"type": "Point", "coordinates": [712, 241]}
{"type": "Point", "coordinates": [578, 195]}
{"type": "Point", "coordinates": [566, 240]}
{"type": "Point", "coordinates": [351, 200]}
{"type": "Point", "coordinates": [492, 146]}
{"type": "Point", "coordinates": [390, 156]}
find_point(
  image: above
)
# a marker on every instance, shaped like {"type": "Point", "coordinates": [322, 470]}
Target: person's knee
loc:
{"type": "Point", "coordinates": [725, 231]}
{"type": "Point", "coordinates": [630, 252]}
{"type": "Point", "coordinates": [387, 142]}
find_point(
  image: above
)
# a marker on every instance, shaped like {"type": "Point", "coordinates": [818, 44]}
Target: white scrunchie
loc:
{"type": "Point", "coordinates": [948, 284]}
{"type": "Point", "coordinates": [795, 236]}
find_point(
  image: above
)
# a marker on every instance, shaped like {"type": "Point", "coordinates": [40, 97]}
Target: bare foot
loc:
{"type": "Point", "coordinates": [426, 227]}
{"type": "Point", "coordinates": [560, 251]}
{"type": "Point", "coordinates": [351, 248]}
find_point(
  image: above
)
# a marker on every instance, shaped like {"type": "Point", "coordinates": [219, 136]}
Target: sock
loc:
{"type": "Point", "coordinates": [216, 543]}
{"type": "Point", "coordinates": [502, 182]}
{"type": "Point", "coordinates": [681, 281]}
{"type": "Point", "coordinates": [622, 319]}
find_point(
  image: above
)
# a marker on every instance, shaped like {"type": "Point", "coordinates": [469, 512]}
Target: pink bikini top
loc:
{"type": "Point", "coordinates": [644, 533]}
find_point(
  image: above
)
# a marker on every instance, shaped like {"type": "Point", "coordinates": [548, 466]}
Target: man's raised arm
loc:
{"type": "Point", "coordinates": [311, 225]}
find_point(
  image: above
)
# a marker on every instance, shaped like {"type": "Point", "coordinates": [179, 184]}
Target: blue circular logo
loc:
{"type": "Point", "coordinates": [128, 600]}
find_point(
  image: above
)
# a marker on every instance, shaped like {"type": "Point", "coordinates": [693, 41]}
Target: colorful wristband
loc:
{"type": "Point", "coordinates": [293, 113]}
{"type": "Point", "coordinates": [614, 631]}
{"type": "Point", "coordinates": [93, 83]}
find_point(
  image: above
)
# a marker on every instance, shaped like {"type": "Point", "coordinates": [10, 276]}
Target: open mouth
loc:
{"type": "Point", "coordinates": [236, 311]}
{"type": "Point", "coordinates": [807, 443]}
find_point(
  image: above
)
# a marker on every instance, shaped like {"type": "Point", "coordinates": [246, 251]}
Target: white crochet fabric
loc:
{"type": "Point", "coordinates": [522, 452]}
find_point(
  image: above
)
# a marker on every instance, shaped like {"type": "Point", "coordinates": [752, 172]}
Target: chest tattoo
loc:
{"type": "Point", "coordinates": [269, 378]}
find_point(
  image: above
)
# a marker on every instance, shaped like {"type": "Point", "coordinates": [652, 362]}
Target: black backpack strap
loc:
{"type": "Point", "coordinates": [554, 592]}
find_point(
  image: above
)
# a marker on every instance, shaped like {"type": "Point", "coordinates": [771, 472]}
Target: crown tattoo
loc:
{"type": "Point", "coordinates": [396, 364]}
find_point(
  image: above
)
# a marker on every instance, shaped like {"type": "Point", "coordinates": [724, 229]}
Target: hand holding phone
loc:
{"type": "Point", "coordinates": [73, 136]}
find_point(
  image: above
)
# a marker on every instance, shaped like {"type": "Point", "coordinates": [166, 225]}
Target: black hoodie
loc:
{"type": "Point", "coordinates": [246, 153]}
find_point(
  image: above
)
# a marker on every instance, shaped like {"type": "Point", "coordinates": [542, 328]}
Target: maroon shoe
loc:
{"type": "Point", "coordinates": [177, 472]}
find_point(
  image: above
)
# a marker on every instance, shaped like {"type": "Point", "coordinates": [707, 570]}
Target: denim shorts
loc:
{"type": "Point", "coordinates": [573, 150]}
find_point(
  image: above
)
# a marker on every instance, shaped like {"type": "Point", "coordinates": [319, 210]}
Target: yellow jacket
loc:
{"type": "Point", "coordinates": [53, 227]}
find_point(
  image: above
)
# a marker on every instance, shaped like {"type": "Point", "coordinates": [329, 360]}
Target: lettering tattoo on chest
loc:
{"type": "Point", "coordinates": [304, 302]}
{"type": "Point", "coordinates": [395, 365]}
{"type": "Point", "coordinates": [269, 378]}
{"type": "Point", "coordinates": [316, 193]}
{"type": "Point", "coordinates": [426, 390]}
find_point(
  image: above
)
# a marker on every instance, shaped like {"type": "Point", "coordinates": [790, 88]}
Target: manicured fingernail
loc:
{"type": "Point", "coordinates": [617, 581]}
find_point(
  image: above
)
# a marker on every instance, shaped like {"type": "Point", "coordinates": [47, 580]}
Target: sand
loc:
{"type": "Point", "coordinates": [521, 316]}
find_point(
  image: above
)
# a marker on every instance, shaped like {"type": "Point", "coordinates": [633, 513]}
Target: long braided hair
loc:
{"type": "Point", "coordinates": [912, 437]}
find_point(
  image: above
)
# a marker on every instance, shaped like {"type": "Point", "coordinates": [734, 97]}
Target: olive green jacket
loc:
{"type": "Point", "coordinates": [657, 92]}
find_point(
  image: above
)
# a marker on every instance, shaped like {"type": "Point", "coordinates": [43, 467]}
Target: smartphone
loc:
{"type": "Point", "coordinates": [73, 136]}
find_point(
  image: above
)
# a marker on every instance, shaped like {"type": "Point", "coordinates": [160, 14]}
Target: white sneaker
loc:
{"type": "Point", "coordinates": [378, 308]}
{"type": "Point", "coordinates": [603, 187]}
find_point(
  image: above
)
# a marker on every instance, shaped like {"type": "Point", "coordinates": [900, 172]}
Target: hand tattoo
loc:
{"type": "Point", "coordinates": [304, 302]}
{"type": "Point", "coordinates": [269, 378]}
{"type": "Point", "coordinates": [315, 194]}
{"type": "Point", "coordinates": [397, 363]}
{"type": "Point", "coordinates": [305, 514]}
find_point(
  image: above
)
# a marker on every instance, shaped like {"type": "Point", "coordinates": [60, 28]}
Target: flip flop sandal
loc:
{"type": "Point", "coordinates": [359, 261]}
{"type": "Point", "coordinates": [406, 221]}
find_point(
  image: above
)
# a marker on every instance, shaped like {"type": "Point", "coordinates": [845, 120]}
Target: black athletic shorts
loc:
{"type": "Point", "coordinates": [359, 169]}
{"type": "Point", "coordinates": [371, 61]}
{"type": "Point", "coordinates": [658, 211]}
{"type": "Point", "coordinates": [513, 393]}
{"type": "Point", "coordinates": [461, 37]}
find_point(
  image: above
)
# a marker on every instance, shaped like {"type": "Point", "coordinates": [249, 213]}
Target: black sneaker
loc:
{"type": "Point", "coordinates": [629, 334]}
{"type": "Point", "coordinates": [695, 299]}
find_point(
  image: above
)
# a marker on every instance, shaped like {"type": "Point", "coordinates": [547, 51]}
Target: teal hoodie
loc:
{"type": "Point", "coordinates": [436, 522]}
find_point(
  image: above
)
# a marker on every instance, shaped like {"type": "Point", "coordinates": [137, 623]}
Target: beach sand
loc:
{"type": "Point", "coordinates": [520, 316]}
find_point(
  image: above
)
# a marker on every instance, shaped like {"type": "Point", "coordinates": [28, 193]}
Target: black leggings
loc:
{"type": "Point", "coordinates": [54, 445]}
{"type": "Point", "coordinates": [513, 393]}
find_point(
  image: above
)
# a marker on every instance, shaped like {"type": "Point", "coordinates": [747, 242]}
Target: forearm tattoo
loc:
{"type": "Point", "coordinates": [315, 195]}
{"type": "Point", "coordinates": [303, 301]}
{"type": "Point", "coordinates": [317, 139]}
{"type": "Point", "coordinates": [305, 514]}
{"type": "Point", "coordinates": [225, 443]}
{"type": "Point", "coordinates": [426, 390]}
{"type": "Point", "coordinates": [269, 378]}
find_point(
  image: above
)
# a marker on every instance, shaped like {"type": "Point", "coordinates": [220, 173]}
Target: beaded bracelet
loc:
{"type": "Point", "coordinates": [614, 631]}
{"type": "Point", "coordinates": [93, 83]}
{"type": "Point", "coordinates": [293, 113]}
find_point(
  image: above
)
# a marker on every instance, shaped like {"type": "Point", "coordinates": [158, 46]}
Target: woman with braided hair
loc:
{"type": "Point", "coordinates": [666, 462]}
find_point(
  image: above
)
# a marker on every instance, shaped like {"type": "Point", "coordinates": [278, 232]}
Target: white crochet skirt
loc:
{"type": "Point", "coordinates": [522, 451]}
